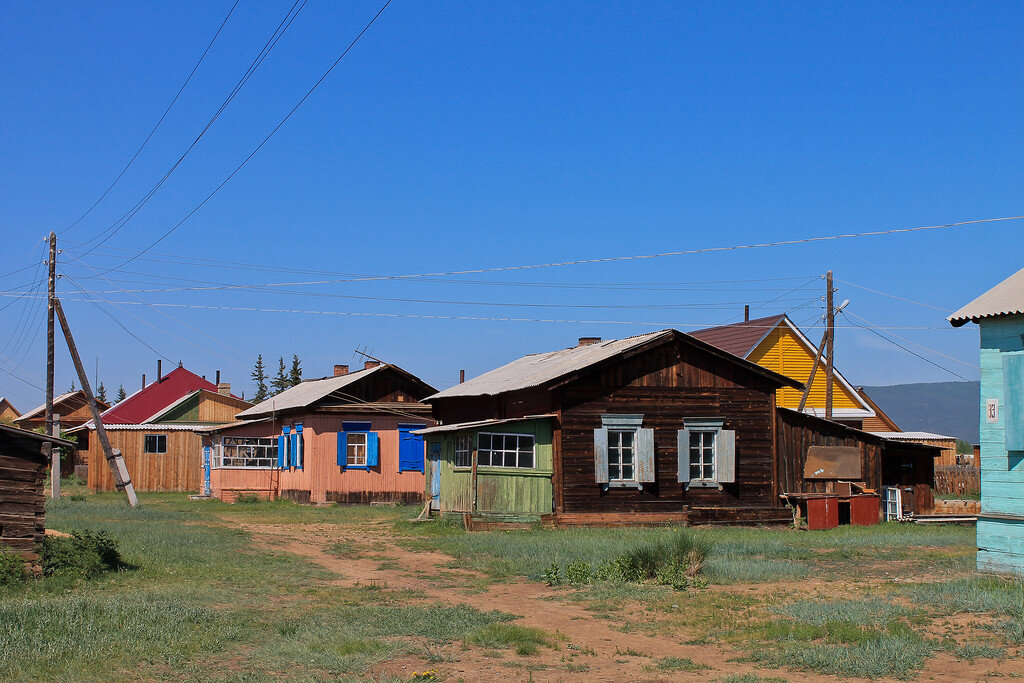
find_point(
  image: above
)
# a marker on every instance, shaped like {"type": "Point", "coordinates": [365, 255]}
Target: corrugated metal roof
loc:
{"type": "Point", "coordinates": [306, 393]}
{"type": "Point", "coordinates": [42, 409]}
{"type": "Point", "coordinates": [739, 339]}
{"type": "Point", "coordinates": [147, 427]}
{"type": "Point", "coordinates": [480, 423]}
{"type": "Point", "coordinates": [1006, 298]}
{"type": "Point", "coordinates": [900, 436]}
{"type": "Point", "coordinates": [147, 402]}
{"type": "Point", "coordinates": [539, 368]}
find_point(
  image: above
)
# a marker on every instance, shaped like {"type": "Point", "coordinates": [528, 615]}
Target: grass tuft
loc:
{"type": "Point", "coordinates": [525, 640]}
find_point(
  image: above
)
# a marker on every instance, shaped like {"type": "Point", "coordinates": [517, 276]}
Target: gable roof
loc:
{"type": "Point", "coordinates": [309, 392]}
{"type": "Point", "coordinates": [58, 400]}
{"type": "Point", "coordinates": [879, 413]}
{"type": "Point", "coordinates": [197, 394]}
{"type": "Point", "coordinates": [9, 406]}
{"type": "Point", "coordinates": [153, 399]}
{"type": "Point", "coordinates": [29, 442]}
{"type": "Point", "coordinates": [740, 339]}
{"type": "Point", "coordinates": [738, 335]}
{"type": "Point", "coordinates": [1006, 298]}
{"type": "Point", "coordinates": [538, 369]}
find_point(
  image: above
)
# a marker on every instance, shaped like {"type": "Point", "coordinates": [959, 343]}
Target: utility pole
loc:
{"type": "Point", "coordinates": [829, 344]}
{"type": "Point", "coordinates": [48, 448]}
{"type": "Point", "coordinates": [122, 480]}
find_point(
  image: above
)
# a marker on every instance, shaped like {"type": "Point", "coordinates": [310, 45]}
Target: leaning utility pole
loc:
{"type": "Point", "coordinates": [830, 331]}
{"type": "Point", "coordinates": [48, 448]}
{"type": "Point", "coordinates": [122, 479]}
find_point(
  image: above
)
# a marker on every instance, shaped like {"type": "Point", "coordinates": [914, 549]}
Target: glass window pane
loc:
{"type": "Point", "coordinates": [510, 458]}
{"type": "Point", "coordinates": [526, 459]}
{"type": "Point", "coordinates": [613, 471]}
{"type": "Point", "coordinates": [627, 472]}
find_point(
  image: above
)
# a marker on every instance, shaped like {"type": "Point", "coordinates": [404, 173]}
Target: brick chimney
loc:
{"type": "Point", "coordinates": [587, 341]}
{"type": "Point", "coordinates": [370, 364]}
{"type": "Point", "coordinates": [224, 388]}
{"type": "Point", "coordinates": [340, 370]}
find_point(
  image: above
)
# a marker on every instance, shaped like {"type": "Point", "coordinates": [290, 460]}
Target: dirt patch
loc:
{"type": "Point", "coordinates": [592, 649]}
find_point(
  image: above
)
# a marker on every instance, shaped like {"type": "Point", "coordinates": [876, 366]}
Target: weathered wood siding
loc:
{"type": "Point", "coordinates": [501, 491]}
{"type": "Point", "coordinates": [1001, 524]}
{"type": "Point", "coordinates": [668, 384]}
{"type": "Point", "coordinates": [179, 469]}
{"type": "Point", "coordinates": [796, 433]}
{"type": "Point", "coordinates": [22, 502]}
{"type": "Point", "coordinates": [321, 479]}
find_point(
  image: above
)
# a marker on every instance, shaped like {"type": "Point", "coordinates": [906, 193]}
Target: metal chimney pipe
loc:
{"type": "Point", "coordinates": [746, 314]}
{"type": "Point", "coordinates": [462, 376]}
{"type": "Point", "coordinates": [143, 380]}
{"type": "Point", "coordinates": [218, 378]}
{"type": "Point", "coordinates": [159, 373]}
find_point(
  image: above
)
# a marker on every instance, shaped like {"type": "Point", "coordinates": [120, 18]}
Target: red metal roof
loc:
{"type": "Point", "coordinates": [739, 339]}
{"type": "Point", "coordinates": [147, 402]}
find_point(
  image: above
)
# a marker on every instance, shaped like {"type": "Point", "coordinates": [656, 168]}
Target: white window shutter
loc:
{"type": "Point", "coordinates": [683, 445]}
{"type": "Point", "coordinates": [725, 452]}
{"type": "Point", "coordinates": [601, 455]}
{"type": "Point", "coordinates": [645, 455]}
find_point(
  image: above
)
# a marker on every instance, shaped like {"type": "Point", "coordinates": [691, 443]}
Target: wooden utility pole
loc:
{"type": "Point", "coordinates": [55, 462]}
{"type": "Point", "coordinates": [122, 479]}
{"type": "Point", "coordinates": [48, 448]}
{"type": "Point", "coordinates": [829, 344]}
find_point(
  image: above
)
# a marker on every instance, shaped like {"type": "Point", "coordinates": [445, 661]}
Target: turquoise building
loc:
{"type": "Point", "coordinates": [999, 314]}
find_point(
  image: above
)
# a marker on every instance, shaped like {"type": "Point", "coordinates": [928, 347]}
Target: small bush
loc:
{"type": "Point", "coordinates": [12, 567]}
{"type": "Point", "coordinates": [248, 499]}
{"type": "Point", "coordinates": [577, 572]}
{"type": "Point", "coordinates": [82, 554]}
{"type": "Point", "coordinates": [526, 640]}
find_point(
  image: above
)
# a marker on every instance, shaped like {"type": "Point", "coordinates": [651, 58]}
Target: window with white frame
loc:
{"type": "Point", "coordinates": [505, 450]}
{"type": "Point", "coordinates": [463, 454]}
{"type": "Point", "coordinates": [356, 449]}
{"type": "Point", "coordinates": [702, 454]}
{"type": "Point", "coordinates": [621, 453]}
{"type": "Point", "coordinates": [155, 443]}
{"type": "Point", "coordinates": [246, 452]}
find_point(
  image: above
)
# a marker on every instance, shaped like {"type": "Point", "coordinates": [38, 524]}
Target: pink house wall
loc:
{"type": "Point", "coordinates": [320, 479]}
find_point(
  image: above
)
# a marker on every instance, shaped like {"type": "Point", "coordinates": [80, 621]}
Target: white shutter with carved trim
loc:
{"type": "Point", "coordinates": [725, 454]}
{"type": "Point", "coordinates": [601, 455]}
{"type": "Point", "coordinates": [645, 469]}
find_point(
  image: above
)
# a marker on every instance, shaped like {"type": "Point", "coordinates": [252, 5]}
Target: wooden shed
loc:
{"type": "Point", "coordinates": [1000, 315]}
{"type": "Point", "coordinates": [347, 438]}
{"type": "Point", "coordinates": [660, 426]}
{"type": "Point", "coordinates": [22, 501]}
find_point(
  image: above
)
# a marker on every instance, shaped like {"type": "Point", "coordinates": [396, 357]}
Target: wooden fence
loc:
{"type": "Point", "coordinates": [958, 480]}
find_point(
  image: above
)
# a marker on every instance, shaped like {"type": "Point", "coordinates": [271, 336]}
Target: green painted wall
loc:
{"type": "Point", "coordinates": [1001, 540]}
{"type": "Point", "coordinates": [502, 491]}
{"type": "Point", "coordinates": [186, 412]}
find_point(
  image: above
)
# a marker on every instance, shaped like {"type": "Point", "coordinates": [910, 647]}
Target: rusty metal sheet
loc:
{"type": "Point", "coordinates": [833, 462]}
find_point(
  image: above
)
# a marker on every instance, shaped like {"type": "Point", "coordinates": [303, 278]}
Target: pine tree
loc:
{"type": "Point", "coordinates": [280, 382]}
{"type": "Point", "coordinates": [101, 393]}
{"type": "Point", "coordinates": [259, 376]}
{"type": "Point", "coordinates": [120, 394]}
{"type": "Point", "coordinates": [295, 374]}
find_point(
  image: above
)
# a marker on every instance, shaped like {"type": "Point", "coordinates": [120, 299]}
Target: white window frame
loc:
{"type": "Point", "coordinates": [618, 432]}
{"type": "Point", "coordinates": [145, 449]}
{"type": "Point", "coordinates": [503, 451]}
{"type": "Point", "coordinates": [622, 423]}
{"type": "Point", "coordinates": [245, 453]}
{"type": "Point", "coordinates": [702, 433]}
{"type": "Point", "coordinates": [349, 445]}
{"type": "Point", "coordinates": [463, 447]}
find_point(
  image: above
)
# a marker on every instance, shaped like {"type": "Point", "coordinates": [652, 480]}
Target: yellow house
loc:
{"type": "Point", "coordinates": [777, 344]}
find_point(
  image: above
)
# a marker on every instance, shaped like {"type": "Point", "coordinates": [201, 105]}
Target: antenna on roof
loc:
{"type": "Point", "coordinates": [370, 356]}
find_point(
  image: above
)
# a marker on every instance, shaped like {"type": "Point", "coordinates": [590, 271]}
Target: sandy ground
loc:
{"type": "Point", "coordinates": [593, 649]}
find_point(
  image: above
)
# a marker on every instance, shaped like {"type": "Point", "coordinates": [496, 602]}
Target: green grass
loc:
{"type": "Point", "coordinates": [524, 639]}
{"type": "Point", "coordinates": [201, 601]}
{"type": "Point", "coordinates": [679, 664]}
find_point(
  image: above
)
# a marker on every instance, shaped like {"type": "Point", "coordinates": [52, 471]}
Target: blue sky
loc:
{"type": "Point", "coordinates": [459, 136]}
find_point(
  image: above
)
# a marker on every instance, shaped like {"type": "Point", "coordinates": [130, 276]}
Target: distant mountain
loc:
{"type": "Point", "coordinates": [942, 407]}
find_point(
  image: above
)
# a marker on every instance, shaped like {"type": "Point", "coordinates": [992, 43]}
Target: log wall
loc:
{"type": "Point", "coordinates": [22, 502]}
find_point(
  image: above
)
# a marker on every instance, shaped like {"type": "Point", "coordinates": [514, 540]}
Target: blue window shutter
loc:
{"type": "Point", "coordinates": [293, 442]}
{"type": "Point", "coordinates": [300, 446]}
{"type": "Point", "coordinates": [372, 449]}
{"type": "Point", "coordinates": [410, 449]}
{"type": "Point", "coordinates": [342, 449]}
{"type": "Point", "coordinates": [282, 448]}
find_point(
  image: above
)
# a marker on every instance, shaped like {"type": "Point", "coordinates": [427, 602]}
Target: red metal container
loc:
{"type": "Point", "coordinates": [822, 513]}
{"type": "Point", "coordinates": [864, 510]}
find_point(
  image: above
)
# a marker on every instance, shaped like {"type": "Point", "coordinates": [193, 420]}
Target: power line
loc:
{"type": "Point", "coordinates": [159, 121]}
{"type": "Point", "coordinates": [911, 352]}
{"type": "Point", "coordinates": [115, 227]}
{"type": "Point", "coordinates": [893, 296]}
{"type": "Point", "coordinates": [259, 146]}
{"type": "Point", "coordinates": [937, 353]}
{"type": "Point", "coordinates": [613, 259]}
{"type": "Point", "coordinates": [445, 317]}
{"type": "Point", "coordinates": [110, 315]}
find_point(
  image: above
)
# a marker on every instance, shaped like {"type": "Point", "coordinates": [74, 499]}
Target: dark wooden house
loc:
{"type": "Point", "coordinates": [657, 426]}
{"type": "Point", "coordinates": [22, 501]}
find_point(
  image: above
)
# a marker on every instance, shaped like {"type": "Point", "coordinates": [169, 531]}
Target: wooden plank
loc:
{"type": "Point", "coordinates": [833, 462]}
